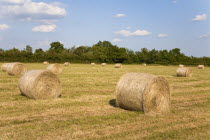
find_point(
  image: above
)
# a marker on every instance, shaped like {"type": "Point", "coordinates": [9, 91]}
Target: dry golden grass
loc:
{"type": "Point", "coordinates": [86, 109]}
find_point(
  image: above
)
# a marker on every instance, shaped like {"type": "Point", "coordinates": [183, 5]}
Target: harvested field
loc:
{"type": "Point", "coordinates": [86, 109]}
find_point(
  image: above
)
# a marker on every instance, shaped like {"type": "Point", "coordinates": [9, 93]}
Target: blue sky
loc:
{"type": "Point", "coordinates": [134, 24]}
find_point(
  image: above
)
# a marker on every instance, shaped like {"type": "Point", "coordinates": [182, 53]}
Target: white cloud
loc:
{"type": "Point", "coordinates": [14, 1]}
{"type": "Point", "coordinates": [31, 11]}
{"type": "Point", "coordinates": [120, 15]}
{"type": "Point", "coordinates": [162, 35]}
{"type": "Point", "coordinates": [200, 17]}
{"type": "Point", "coordinates": [205, 35]}
{"type": "Point", "coordinates": [136, 33]}
{"type": "Point", "coordinates": [117, 40]}
{"type": "Point", "coordinates": [45, 28]}
{"type": "Point", "coordinates": [3, 27]}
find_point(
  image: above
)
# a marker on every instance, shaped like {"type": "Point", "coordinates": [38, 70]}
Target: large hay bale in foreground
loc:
{"type": "Point", "coordinates": [184, 72]}
{"type": "Point", "coordinates": [181, 66]}
{"type": "Point", "coordinates": [46, 63]}
{"type": "Point", "coordinates": [4, 67]}
{"type": "Point", "coordinates": [66, 64]}
{"type": "Point", "coordinates": [143, 92]}
{"type": "Point", "coordinates": [201, 66]}
{"type": "Point", "coordinates": [103, 64]}
{"type": "Point", "coordinates": [55, 68]}
{"type": "Point", "coordinates": [16, 69]}
{"type": "Point", "coordinates": [40, 84]}
{"type": "Point", "coordinates": [118, 65]}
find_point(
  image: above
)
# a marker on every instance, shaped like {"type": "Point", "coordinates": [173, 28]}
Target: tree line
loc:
{"type": "Point", "coordinates": [98, 53]}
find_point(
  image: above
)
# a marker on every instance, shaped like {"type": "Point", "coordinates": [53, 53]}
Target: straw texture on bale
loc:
{"type": "Point", "coordinates": [66, 64]}
{"type": "Point", "coordinates": [4, 67]}
{"type": "Point", "coordinates": [16, 69]}
{"type": "Point", "coordinates": [143, 92]}
{"type": "Point", "coordinates": [184, 72]}
{"type": "Point", "coordinates": [103, 64]}
{"type": "Point", "coordinates": [181, 66]}
{"type": "Point", "coordinates": [40, 84]}
{"type": "Point", "coordinates": [55, 68]}
{"type": "Point", "coordinates": [118, 66]}
{"type": "Point", "coordinates": [46, 63]}
{"type": "Point", "coordinates": [201, 66]}
{"type": "Point", "coordinates": [93, 64]}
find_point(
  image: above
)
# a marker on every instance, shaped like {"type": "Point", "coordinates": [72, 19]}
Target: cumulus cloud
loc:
{"type": "Point", "coordinates": [29, 10]}
{"type": "Point", "coordinates": [120, 15]}
{"type": "Point", "coordinates": [200, 17]}
{"type": "Point", "coordinates": [162, 35]}
{"type": "Point", "coordinates": [205, 36]}
{"type": "Point", "coordinates": [117, 40]}
{"type": "Point", "coordinates": [45, 28]}
{"type": "Point", "coordinates": [127, 33]}
{"type": "Point", "coordinates": [3, 27]}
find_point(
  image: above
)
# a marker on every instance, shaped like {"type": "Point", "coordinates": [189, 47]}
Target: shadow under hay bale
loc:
{"type": "Point", "coordinates": [16, 69]}
{"type": "Point", "coordinates": [113, 102]}
{"type": "Point", "coordinates": [143, 92]}
{"type": "Point", "coordinates": [184, 72]}
{"type": "Point", "coordinates": [40, 84]}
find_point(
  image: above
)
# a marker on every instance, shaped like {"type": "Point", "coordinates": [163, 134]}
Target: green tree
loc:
{"type": "Point", "coordinates": [56, 47]}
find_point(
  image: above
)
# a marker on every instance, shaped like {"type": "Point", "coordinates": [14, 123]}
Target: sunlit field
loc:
{"type": "Point", "coordinates": [86, 109]}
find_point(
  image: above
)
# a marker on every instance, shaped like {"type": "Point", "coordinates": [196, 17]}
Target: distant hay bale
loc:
{"type": "Point", "coordinates": [66, 64]}
{"type": "Point", "coordinates": [16, 69]}
{"type": "Point", "coordinates": [55, 68]}
{"type": "Point", "coordinates": [143, 92]}
{"type": "Point", "coordinates": [4, 67]}
{"type": "Point", "coordinates": [40, 84]}
{"type": "Point", "coordinates": [144, 64]}
{"type": "Point", "coordinates": [46, 63]}
{"type": "Point", "coordinates": [93, 64]}
{"type": "Point", "coordinates": [201, 66]}
{"type": "Point", "coordinates": [184, 72]}
{"type": "Point", "coordinates": [118, 65]}
{"type": "Point", "coordinates": [181, 66]}
{"type": "Point", "coordinates": [103, 64]}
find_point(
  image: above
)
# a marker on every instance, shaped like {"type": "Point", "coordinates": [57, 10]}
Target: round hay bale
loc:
{"type": "Point", "coordinates": [181, 66]}
{"type": "Point", "coordinates": [143, 92]}
{"type": "Point", "coordinates": [184, 72]}
{"type": "Point", "coordinates": [55, 68]}
{"type": "Point", "coordinates": [103, 64]}
{"type": "Point", "coordinates": [93, 64]}
{"type": "Point", "coordinates": [4, 67]}
{"type": "Point", "coordinates": [201, 66]}
{"type": "Point", "coordinates": [46, 63]}
{"type": "Point", "coordinates": [118, 65]}
{"type": "Point", "coordinates": [16, 69]}
{"type": "Point", "coordinates": [40, 84]}
{"type": "Point", "coordinates": [66, 64]}
{"type": "Point", "coordinates": [144, 64]}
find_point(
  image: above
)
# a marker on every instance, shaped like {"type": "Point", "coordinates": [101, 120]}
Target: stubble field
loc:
{"type": "Point", "coordinates": [86, 109]}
